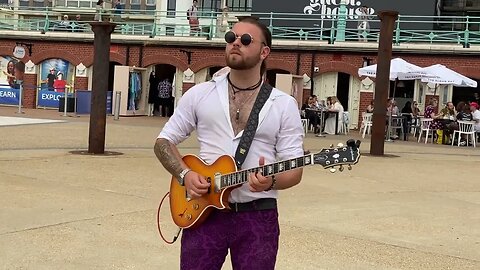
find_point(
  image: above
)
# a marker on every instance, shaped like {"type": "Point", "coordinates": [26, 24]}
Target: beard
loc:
{"type": "Point", "coordinates": [238, 62]}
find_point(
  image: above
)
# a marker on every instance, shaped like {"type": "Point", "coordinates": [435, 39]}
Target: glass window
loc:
{"type": "Point", "coordinates": [135, 2]}
{"type": "Point", "coordinates": [210, 5]}
{"type": "Point", "coordinates": [150, 2]}
{"type": "Point", "coordinates": [171, 7]}
{"type": "Point", "coordinates": [239, 5]}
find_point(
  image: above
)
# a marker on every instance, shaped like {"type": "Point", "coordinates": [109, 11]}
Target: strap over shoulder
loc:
{"type": "Point", "coordinates": [252, 124]}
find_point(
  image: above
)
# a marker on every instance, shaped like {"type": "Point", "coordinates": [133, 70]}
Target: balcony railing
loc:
{"type": "Point", "coordinates": [461, 30]}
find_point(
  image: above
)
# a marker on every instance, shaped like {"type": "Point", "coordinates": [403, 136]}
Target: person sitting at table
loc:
{"type": "Point", "coordinates": [322, 105]}
{"type": "Point", "coordinates": [430, 113]}
{"type": "Point", "coordinates": [463, 114]}
{"type": "Point", "coordinates": [438, 123]}
{"type": "Point", "coordinates": [448, 114]}
{"type": "Point", "coordinates": [407, 110]}
{"type": "Point", "coordinates": [415, 109]}
{"type": "Point", "coordinates": [308, 107]}
{"type": "Point", "coordinates": [392, 107]}
{"type": "Point", "coordinates": [370, 107]}
{"type": "Point", "coordinates": [475, 115]}
{"type": "Point", "coordinates": [330, 121]}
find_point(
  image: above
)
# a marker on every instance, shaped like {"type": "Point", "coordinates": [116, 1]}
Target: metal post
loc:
{"type": "Point", "coordinates": [20, 97]}
{"type": "Point", "coordinates": [75, 103]}
{"type": "Point", "coordinates": [116, 110]}
{"type": "Point", "coordinates": [382, 86]}
{"type": "Point", "coordinates": [65, 97]}
{"type": "Point", "coordinates": [98, 115]}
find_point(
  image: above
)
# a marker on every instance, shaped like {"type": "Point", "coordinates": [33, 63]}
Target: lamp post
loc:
{"type": "Point", "coordinates": [382, 87]}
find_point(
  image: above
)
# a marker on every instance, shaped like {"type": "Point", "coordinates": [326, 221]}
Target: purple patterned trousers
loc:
{"type": "Point", "coordinates": [252, 238]}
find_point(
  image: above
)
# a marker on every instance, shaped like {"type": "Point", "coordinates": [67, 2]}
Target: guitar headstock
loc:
{"type": "Point", "coordinates": [338, 156]}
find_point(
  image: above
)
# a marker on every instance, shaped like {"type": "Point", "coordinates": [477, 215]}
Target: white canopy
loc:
{"type": "Point", "coordinates": [440, 74]}
{"type": "Point", "coordinates": [399, 69]}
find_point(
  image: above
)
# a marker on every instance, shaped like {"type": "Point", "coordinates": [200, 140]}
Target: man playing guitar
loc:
{"type": "Point", "coordinates": [218, 110]}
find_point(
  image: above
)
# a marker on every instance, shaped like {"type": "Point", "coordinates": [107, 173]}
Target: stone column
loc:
{"type": "Point", "coordinates": [98, 115]}
{"type": "Point", "coordinates": [382, 86]}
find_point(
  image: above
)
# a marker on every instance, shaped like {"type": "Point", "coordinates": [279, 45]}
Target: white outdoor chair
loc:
{"type": "Point", "coordinates": [415, 126]}
{"type": "Point", "coordinates": [397, 124]}
{"type": "Point", "coordinates": [425, 126]}
{"type": "Point", "coordinates": [305, 125]}
{"type": "Point", "coordinates": [366, 124]}
{"type": "Point", "coordinates": [346, 123]}
{"type": "Point", "coordinates": [465, 127]}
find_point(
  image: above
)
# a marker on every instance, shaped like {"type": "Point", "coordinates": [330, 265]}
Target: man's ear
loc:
{"type": "Point", "coordinates": [265, 52]}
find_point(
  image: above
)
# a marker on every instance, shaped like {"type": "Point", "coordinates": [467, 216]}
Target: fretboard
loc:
{"type": "Point", "coordinates": [241, 177]}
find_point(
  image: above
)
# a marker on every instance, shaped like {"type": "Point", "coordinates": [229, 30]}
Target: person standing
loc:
{"type": "Point", "coordinates": [222, 22]}
{"type": "Point", "coordinates": [165, 95]}
{"type": "Point", "coordinates": [192, 17]}
{"type": "Point", "coordinates": [153, 93]}
{"type": "Point", "coordinates": [218, 110]}
{"type": "Point", "coordinates": [363, 25]}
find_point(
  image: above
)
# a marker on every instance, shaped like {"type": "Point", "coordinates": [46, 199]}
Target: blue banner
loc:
{"type": "Point", "coordinates": [9, 96]}
{"type": "Point", "coordinates": [84, 101]}
{"type": "Point", "coordinates": [48, 98]}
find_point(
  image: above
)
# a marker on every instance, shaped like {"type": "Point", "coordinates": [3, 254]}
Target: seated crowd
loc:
{"type": "Point", "coordinates": [312, 109]}
{"type": "Point", "coordinates": [446, 119]}
{"type": "Point", "coordinates": [445, 122]}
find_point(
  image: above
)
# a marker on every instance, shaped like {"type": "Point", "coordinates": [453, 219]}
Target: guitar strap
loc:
{"type": "Point", "coordinates": [252, 124]}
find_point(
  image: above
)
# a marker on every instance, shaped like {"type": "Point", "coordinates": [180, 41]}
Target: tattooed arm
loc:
{"type": "Point", "coordinates": [167, 153]}
{"type": "Point", "coordinates": [195, 184]}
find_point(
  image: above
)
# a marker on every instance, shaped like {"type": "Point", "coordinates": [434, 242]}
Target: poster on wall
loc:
{"type": "Point", "coordinates": [11, 73]}
{"type": "Point", "coordinates": [56, 77]}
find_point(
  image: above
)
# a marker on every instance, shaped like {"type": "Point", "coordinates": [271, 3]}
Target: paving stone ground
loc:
{"type": "Point", "coordinates": [418, 208]}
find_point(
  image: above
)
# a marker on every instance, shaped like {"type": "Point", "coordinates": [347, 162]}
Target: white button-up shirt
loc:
{"type": "Point", "coordinates": [205, 108]}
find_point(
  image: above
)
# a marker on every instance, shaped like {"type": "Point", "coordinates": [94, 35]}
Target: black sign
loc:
{"type": "Point", "coordinates": [321, 13]}
{"type": "Point", "coordinates": [330, 7]}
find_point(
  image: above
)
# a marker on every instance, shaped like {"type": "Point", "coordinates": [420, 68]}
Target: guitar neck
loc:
{"type": "Point", "coordinates": [241, 177]}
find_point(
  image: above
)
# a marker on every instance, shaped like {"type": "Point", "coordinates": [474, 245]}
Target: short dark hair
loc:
{"type": "Point", "coordinates": [267, 35]}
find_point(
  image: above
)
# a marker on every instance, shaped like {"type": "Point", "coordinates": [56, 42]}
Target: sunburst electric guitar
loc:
{"type": "Point", "coordinates": [223, 177]}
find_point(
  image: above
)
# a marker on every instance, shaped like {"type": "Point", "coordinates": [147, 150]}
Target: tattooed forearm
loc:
{"type": "Point", "coordinates": [169, 156]}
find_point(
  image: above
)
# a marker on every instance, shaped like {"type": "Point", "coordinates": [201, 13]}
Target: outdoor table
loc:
{"type": "Point", "coordinates": [322, 114]}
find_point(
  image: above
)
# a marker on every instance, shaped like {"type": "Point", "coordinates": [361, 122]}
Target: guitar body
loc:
{"type": "Point", "coordinates": [190, 213]}
{"type": "Point", "coordinates": [224, 177]}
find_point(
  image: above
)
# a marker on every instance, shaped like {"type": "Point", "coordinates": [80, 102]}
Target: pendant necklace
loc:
{"type": "Point", "coordinates": [237, 112]}
{"type": "Point", "coordinates": [236, 89]}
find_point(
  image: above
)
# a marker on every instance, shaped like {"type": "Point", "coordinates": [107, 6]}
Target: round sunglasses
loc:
{"type": "Point", "coordinates": [246, 39]}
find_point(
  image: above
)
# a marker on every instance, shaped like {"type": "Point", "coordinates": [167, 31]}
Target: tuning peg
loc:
{"type": "Point", "coordinates": [349, 167]}
{"type": "Point", "coordinates": [332, 170]}
{"type": "Point", "coordinates": [340, 145]}
{"type": "Point", "coordinates": [340, 168]}
{"type": "Point", "coordinates": [331, 145]}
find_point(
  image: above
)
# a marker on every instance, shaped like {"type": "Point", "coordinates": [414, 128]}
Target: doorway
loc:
{"type": "Point", "coordinates": [164, 106]}
{"type": "Point", "coordinates": [343, 89]}
{"type": "Point", "coordinates": [111, 74]}
{"type": "Point", "coordinates": [272, 75]}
